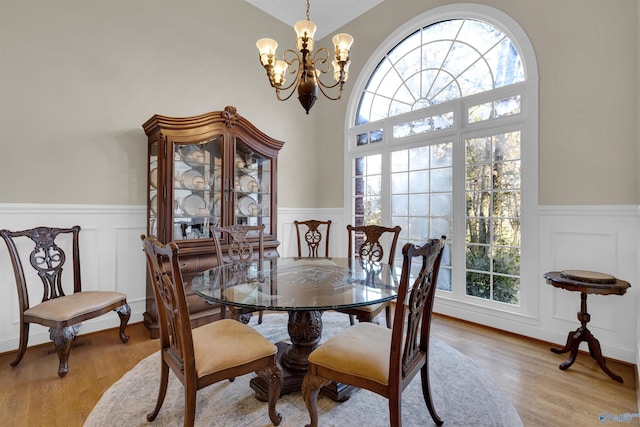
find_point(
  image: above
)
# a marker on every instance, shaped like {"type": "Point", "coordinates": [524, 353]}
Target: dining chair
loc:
{"type": "Point", "coordinates": [366, 242]}
{"type": "Point", "coordinates": [313, 234]}
{"type": "Point", "coordinates": [199, 357]}
{"type": "Point", "coordinates": [379, 359]}
{"type": "Point", "coordinates": [62, 313]}
{"type": "Point", "coordinates": [239, 249]}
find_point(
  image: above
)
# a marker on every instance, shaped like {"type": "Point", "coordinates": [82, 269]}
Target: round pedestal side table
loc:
{"type": "Point", "coordinates": [585, 282]}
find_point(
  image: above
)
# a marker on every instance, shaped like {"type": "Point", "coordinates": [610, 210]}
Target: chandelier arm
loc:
{"type": "Point", "coordinates": [321, 60]}
{"type": "Point", "coordinates": [322, 88]}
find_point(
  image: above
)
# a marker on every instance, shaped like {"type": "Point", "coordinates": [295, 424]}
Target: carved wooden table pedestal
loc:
{"type": "Point", "coordinates": [585, 282]}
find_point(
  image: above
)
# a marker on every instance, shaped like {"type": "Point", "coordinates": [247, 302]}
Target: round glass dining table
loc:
{"type": "Point", "coordinates": [303, 287]}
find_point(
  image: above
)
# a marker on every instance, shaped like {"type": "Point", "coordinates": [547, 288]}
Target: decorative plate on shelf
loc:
{"type": "Point", "coordinates": [193, 180]}
{"type": "Point", "coordinates": [194, 155]}
{"type": "Point", "coordinates": [153, 177]}
{"type": "Point", "coordinates": [248, 206]}
{"type": "Point", "coordinates": [194, 205]}
{"type": "Point", "coordinates": [153, 204]}
{"type": "Point", "coordinates": [249, 184]}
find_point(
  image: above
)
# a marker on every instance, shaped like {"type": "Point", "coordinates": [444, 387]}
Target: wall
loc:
{"type": "Point", "coordinates": [79, 78]}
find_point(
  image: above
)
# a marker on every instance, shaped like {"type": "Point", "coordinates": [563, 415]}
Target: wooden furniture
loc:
{"type": "Point", "coordinates": [213, 169]}
{"type": "Point", "coordinates": [61, 313]}
{"type": "Point", "coordinates": [366, 243]}
{"type": "Point", "coordinates": [304, 287]}
{"type": "Point", "coordinates": [207, 354]}
{"type": "Point", "coordinates": [314, 230]}
{"type": "Point", "coordinates": [375, 358]}
{"type": "Point", "coordinates": [239, 250]}
{"type": "Point", "coordinates": [585, 282]}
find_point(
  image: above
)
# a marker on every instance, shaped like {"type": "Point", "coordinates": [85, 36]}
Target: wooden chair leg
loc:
{"type": "Point", "coordinates": [426, 392]}
{"type": "Point", "coordinates": [190, 404]}
{"type": "Point", "coordinates": [395, 410]}
{"type": "Point", "coordinates": [164, 380]}
{"type": "Point", "coordinates": [311, 385]}
{"type": "Point", "coordinates": [352, 319]}
{"type": "Point", "coordinates": [274, 378]}
{"type": "Point", "coordinates": [260, 317]}
{"type": "Point", "coordinates": [124, 312]}
{"type": "Point", "coordinates": [62, 339]}
{"type": "Point", "coordinates": [24, 338]}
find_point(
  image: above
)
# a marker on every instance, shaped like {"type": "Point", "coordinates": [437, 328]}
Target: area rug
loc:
{"type": "Point", "coordinates": [463, 395]}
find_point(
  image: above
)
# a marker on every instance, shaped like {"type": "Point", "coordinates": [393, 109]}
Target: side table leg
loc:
{"type": "Point", "coordinates": [584, 334]}
{"type": "Point", "coordinates": [573, 344]}
{"type": "Point", "coordinates": [596, 353]}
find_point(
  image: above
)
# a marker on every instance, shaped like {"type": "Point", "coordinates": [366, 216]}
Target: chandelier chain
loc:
{"type": "Point", "coordinates": [308, 19]}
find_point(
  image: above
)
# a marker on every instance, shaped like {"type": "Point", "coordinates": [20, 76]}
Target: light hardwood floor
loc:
{"type": "Point", "coordinates": [33, 395]}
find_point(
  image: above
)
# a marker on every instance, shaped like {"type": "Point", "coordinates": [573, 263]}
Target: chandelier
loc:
{"type": "Point", "coordinates": [306, 65]}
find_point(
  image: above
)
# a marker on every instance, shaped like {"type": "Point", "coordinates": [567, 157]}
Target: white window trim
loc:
{"type": "Point", "coordinates": [457, 303]}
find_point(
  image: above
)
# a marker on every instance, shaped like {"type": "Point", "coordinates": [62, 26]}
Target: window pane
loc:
{"type": "Point", "coordinates": [441, 179]}
{"type": "Point", "coordinates": [441, 205]}
{"type": "Point", "coordinates": [506, 289]}
{"type": "Point", "coordinates": [419, 182]}
{"type": "Point", "coordinates": [419, 158]}
{"type": "Point", "coordinates": [399, 205]}
{"type": "Point", "coordinates": [399, 183]}
{"type": "Point", "coordinates": [419, 205]}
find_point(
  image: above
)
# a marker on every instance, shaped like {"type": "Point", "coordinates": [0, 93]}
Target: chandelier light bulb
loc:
{"type": "Point", "coordinates": [342, 43]}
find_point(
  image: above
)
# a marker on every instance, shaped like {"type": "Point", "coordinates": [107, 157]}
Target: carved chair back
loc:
{"type": "Point", "coordinates": [366, 242]}
{"type": "Point", "coordinates": [240, 249]}
{"type": "Point", "coordinates": [411, 330]}
{"type": "Point", "coordinates": [173, 313]}
{"type": "Point", "coordinates": [239, 238]}
{"type": "Point", "coordinates": [47, 258]}
{"type": "Point", "coordinates": [313, 235]}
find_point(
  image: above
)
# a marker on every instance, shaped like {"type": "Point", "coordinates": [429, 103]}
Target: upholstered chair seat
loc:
{"type": "Point", "coordinates": [242, 345]}
{"type": "Point", "coordinates": [362, 350]}
{"type": "Point", "coordinates": [72, 306]}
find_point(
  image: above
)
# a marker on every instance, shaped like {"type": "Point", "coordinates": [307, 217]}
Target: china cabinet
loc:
{"type": "Point", "coordinates": [215, 169]}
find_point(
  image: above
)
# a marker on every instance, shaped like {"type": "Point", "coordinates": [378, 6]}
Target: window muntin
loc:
{"type": "Point", "coordinates": [438, 63]}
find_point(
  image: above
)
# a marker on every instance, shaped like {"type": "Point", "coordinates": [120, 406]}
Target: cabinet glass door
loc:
{"type": "Point", "coordinates": [252, 187]}
{"type": "Point", "coordinates": [152, 226]}
{"type": "Point", "coordinates": [197, 189]}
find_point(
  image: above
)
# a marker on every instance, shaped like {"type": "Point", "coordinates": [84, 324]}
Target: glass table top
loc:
{"type": "Point", "coordinates": [299, 284]}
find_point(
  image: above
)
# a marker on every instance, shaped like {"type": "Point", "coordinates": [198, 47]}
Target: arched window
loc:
{"type": "Point", "coordinates": [443, 141]}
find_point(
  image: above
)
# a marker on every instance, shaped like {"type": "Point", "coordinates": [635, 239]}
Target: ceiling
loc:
{"type": "Point", "coordinates": [328, 15]}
